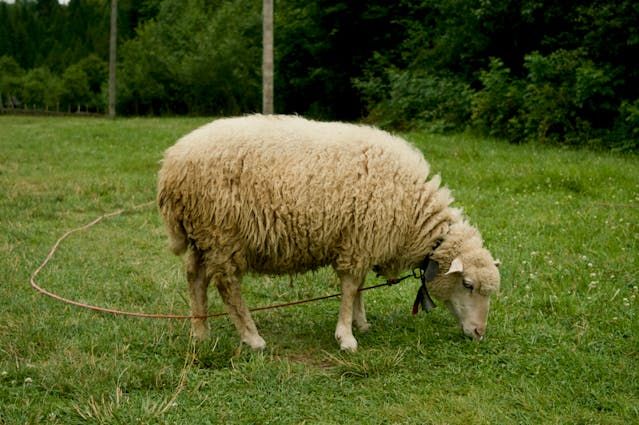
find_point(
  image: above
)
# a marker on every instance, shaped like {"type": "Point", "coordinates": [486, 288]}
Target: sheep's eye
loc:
{"type": "Point", "coordinates": [468, 285]}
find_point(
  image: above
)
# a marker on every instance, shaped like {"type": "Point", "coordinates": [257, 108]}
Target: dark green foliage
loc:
{"type": "Point", "coordinates": [10, 79]}
{"type": "Point", "coordinates": [82, 84]}
{"type": "Point", "coordinates": [321, 46]}
{"type": "Point", "coordinates": [419, 98]}
{"type": "Point", "coordinates": [526, 70]}
{"type": "Point", "coordinates": [627, 127]}
{"type": "Point", "coordinates": [560, 70]}
{"type": "Point", "coordinates": [566, 97]}
{"type": "Point", "coordinates": [69, 41]}
{"type": "Point", "coordinates": [40, 87]}
{"type": "Point", "coordinates": [196, 57]}
{"type": "Point", "coordinates": [76, 85]}
{"type": "Point", "coordinates": [496, 108]}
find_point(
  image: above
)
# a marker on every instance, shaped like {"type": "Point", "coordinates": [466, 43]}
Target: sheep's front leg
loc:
{"type": "Point", "coordinates": [344, 329]}
{"type": "Point", "coordinates": [229, 290]}
{"type": "Point", "coordinates": [198, 285]}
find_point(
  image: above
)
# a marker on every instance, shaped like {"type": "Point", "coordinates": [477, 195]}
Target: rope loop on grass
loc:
{"type": "Point", "coordinates": [112, 311]}
{"type": "Point", "coordinates": [117, 312]}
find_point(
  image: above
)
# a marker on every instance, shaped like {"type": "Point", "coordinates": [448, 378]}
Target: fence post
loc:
{"type": "Point", "coordinates": [267, 57]}
{"type": "Point", "coordinates": [113, 38]}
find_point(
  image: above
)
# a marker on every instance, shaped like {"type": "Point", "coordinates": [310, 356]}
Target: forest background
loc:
{"type": "Point", "coordinates": [521, 70]}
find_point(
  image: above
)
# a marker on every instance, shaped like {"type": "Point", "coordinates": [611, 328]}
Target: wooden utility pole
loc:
{"type": "Point", "coordinates": [267, 57]}
{"type": "Point", "coordinates": [113, 40]}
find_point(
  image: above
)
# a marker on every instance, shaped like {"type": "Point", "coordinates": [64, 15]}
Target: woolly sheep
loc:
{"type": "Point", "coordinates": [283, 194]}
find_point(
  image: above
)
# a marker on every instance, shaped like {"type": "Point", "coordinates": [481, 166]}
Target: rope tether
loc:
{"type": "Point", "coordinates": [117, 312]}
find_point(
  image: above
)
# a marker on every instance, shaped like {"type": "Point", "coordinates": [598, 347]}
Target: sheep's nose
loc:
{"type": "Point", "coordinates": [479, 332]}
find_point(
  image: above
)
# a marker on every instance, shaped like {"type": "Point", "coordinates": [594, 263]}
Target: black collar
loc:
{"type": "Point", "coordinates": [428, 269]}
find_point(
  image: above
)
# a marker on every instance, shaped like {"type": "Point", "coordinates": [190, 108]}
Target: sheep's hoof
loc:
{"type": "Point", "coordinates": [363, 327]}
{"type": "Point", "coordinates": [256, 342]}
{"type": "Point", "coordinates": [347, 343]}
{"type": "Point", "coordinates": [200, 332]}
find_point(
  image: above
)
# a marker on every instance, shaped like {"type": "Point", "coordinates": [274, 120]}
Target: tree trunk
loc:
{"type": "Point", "coordinates": [267, 57]}
{"type": "Point", "coordinates": [113, 38]}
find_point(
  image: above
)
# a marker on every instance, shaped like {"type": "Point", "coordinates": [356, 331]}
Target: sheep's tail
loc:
{"type": "Point", "coordinates": [178, 240]}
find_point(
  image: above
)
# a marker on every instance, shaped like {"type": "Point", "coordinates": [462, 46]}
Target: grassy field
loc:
{"type": "Point", "coordinates": [562, 346]}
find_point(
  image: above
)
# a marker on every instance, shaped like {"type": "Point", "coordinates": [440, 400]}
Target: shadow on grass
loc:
{"type": "Point", "coordinates": [306, 338]}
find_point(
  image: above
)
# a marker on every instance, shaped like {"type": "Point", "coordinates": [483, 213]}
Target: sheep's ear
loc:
{"type": "Point", "coordinates": [456, 266]}
{"type": "Point", "coordinates": [497, 263]}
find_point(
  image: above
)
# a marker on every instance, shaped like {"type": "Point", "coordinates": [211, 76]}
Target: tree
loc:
{"type": "Point", "coordinates": [323, 46]}
{"type": "Point", "coordinates": [113, 40]}
{"type": "Point", "coordinates": [39, 88]}
{"type": "Point", "coordinates": [196, 57]}
{"type": "Point", "coordinates": [75, 84]}
{"type": "Point", "coordinates": [10, 76]}
{"type": "Point", "coordinates": [140, 86]}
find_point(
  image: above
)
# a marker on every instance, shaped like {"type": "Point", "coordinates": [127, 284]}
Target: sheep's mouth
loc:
{"type": "Point", "coordinates": [472, 334]}
{"type": "Point", "coordinates": [467, 331]}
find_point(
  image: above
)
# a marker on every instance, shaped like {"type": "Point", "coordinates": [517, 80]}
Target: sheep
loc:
{"type": "Point", "coordinates": [283, 194]}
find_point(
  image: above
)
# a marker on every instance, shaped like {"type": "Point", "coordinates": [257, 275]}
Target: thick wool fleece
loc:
{"type": "Point", "coordinates": [281, 194]}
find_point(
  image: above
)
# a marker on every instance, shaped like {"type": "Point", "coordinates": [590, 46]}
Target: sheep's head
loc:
{"type": "Point", "coordinates": [466, 282]}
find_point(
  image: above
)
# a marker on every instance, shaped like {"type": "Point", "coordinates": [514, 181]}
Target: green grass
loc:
{"type": "Point", "coordinates": [563, 342]}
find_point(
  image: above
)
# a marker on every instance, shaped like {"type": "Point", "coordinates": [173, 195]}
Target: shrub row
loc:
{"type": "Point", "coordinates": [564, 98]}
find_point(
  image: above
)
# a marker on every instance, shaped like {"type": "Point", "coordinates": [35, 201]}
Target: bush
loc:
{"type": "Point", "coordinates": [10, 81]}
{"type": "Point", "coordinates": [564, 99]}
{"type": "Point", "coordinates": [567, 98]}
{"type": "Point", "coordinates": [40, 88]}
{"type": "Point", "coordinates": [418, 99]}
{"type": "Point", "coordinates": [497, 107]}
{"type": "Point", "coordinates": [200, 59]}
{"type": "Point", "coordinates": [625, 136]}
{"type": "Point", "coordinates": [75, 83]}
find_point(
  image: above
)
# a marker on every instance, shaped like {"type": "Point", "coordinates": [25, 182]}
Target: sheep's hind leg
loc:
{"type": "Point", "coordinates": [229, 290]}
{"type": "Point", "coordinates": [198, 285]}
{"type": "Point", "coordinates": [344, 329]}
{"type": "Point", "coordinates": [359, 313]}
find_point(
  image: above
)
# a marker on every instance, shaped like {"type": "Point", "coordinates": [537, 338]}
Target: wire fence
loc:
{"type": "Point", "coordinates": [35, 111]}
